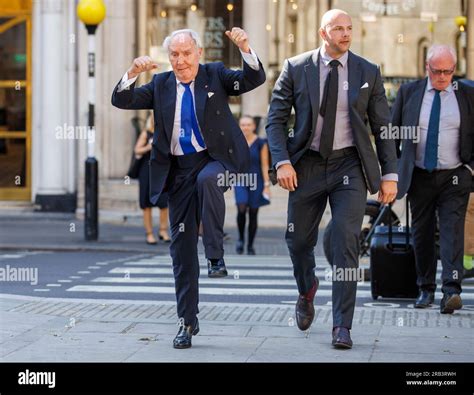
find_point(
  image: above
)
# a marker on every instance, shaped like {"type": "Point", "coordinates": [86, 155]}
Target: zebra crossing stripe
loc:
{"type": "Point", "coordinates": [209, 281]}
{"type": "Point", "coordinates": [217, 291]}
{"type": "Point", "coordinates": [243, 272]}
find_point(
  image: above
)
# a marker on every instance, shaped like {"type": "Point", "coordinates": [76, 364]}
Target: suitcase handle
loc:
{"type": "Point", "coordinates": [390, 234]}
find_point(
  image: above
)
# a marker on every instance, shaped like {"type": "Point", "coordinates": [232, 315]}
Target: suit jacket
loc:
{"type": "Point", "coordinates": [222, 135]}
{"type": "Point", "coordinates": [406, 113]}
{"type": "Point", "coordinates": [298, 87]}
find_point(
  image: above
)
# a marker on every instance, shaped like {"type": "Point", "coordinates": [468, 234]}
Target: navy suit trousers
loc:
{"type": "Point", "coordinates": [194, 196]}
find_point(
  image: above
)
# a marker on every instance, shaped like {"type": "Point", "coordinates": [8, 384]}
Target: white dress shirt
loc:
{"type": "Point", "coordinates": [342, 130]}
{"type": "Point", "coordinates": [250, 58]}
{"type": "Point", "coordinates": [343, 137]}
{"type": "Point", "coordinates": [449, 133]}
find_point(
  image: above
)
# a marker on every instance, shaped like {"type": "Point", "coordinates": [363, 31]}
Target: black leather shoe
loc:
{"type": "Point", "coordinates": [185, 333]}
{"type": "Point", "coordinates": [216, 269]}
{"type": "Point", "coordinates": [425, 299]}
{"type": "Point", "coordinates": [449, 303]}
{"type": "Point", "coordinates": [250, 250]}
{"type": "Point", "coordinates": [239, 248]}
{"type": "Point", "coordinates": [304, 309]}
{"type": "Point", "coordinates": [467, 273]}
{"type": "Point", "coordinates": [341, 338]}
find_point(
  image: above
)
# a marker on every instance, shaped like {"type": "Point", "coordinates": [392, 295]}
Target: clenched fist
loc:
{"type": "Point", "coordinates": [140, 65]}
{"type": "Point", "coordinates": [239, 38]}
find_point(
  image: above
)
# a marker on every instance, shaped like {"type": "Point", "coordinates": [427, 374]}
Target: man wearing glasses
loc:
{"type": "Point", "coordinates": [435, 169]}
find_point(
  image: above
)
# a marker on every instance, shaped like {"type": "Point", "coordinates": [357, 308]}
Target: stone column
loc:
{"type": "Point", "coordinates": [470, 39]}
{"type": "Point", "coordinates": [53, 146]}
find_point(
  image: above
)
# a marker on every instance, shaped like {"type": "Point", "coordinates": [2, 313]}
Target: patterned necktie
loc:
{"type": "Point", "coordinates": [189, 123]}
{"type": "Point", "coordinates": [328, 110]}
{"type": "Point", "coordinates": [431, 150]}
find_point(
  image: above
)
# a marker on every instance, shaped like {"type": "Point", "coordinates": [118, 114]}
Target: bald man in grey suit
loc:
{"type": "Point", "coordinates": [328, 155]}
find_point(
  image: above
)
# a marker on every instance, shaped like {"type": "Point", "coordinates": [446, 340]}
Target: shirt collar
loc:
{"type": "Point", "coordinates": [178, 82]}
{"type": "Point", "coordinates": [327, 59]}
{"type": "Point", "coordinates": [429, 87]}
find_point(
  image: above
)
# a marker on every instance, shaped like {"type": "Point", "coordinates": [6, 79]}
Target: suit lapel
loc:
{"type": "Point", "coordinates": [355, 76]}
{"type": "Point", "coordinates": [312, 80]}
{"type": "Point", "coordinates": [201, 90]}
{"type": "Point", "coordinates": [464, 112]}
{"type": "Point", "coordinates": [417, 101]}
{"type": "Point", "coordinates": [169, 104]}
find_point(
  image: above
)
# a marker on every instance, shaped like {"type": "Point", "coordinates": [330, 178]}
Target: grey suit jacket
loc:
{"type": "Point", "coordinates": [406, 113]}
{"type": "Point", "coordinates": [298, 88]}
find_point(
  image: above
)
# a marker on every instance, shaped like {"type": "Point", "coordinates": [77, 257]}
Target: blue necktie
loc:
{"type": "Point", "coordinates": [189, 123]}
{"type": "Point", "coordinates": [431, 151]}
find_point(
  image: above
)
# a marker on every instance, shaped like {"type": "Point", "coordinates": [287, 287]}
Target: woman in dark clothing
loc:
{"type": "Point", "coordinates": [142, 149]}
{"type": "Point", "coordinates": [249, 198]}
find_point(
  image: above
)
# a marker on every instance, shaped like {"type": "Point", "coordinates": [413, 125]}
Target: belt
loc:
{"type": "Point", "coordinates": [340, 153]}
{"type": "Point", "coordinates": [189, 160]}
{"type": "Point", "coordinates": [424, 171]}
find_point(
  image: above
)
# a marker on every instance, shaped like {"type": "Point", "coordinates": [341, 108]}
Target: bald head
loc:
{"type": "Point", "coordinates": [332, 16]}
{"type": "Point", "coordinates": [336, 32]}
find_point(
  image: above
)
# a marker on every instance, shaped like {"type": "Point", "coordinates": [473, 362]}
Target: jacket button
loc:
{"type": "Point", "coordinates": [230, 150]}
{"type": "Point", "coordinates": [222, 133]}
{"type": "Point", "coordinates": [218, 112]}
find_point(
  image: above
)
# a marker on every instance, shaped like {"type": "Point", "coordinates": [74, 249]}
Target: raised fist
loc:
{"type": "Point", "coordinates": [140, 65]}
{"type": "Point", "coordinates": [239, 38]}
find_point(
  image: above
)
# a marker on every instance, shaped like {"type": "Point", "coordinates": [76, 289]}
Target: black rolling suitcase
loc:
{"type": "Point", "coordinates": [392, 262]}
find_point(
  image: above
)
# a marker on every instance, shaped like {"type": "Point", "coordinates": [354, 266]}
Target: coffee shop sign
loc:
{"type": "Point", "coordinates": [388, 9]}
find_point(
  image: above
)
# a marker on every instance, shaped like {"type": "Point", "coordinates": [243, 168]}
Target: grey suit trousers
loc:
{"type": "Point", "coordinates": [340, 179]}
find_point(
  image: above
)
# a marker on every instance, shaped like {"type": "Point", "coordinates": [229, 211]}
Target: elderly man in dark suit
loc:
{"type": "Point", "coordinates": [196, 142]}
{"type": "Point", "coordinates": [435, 169]}
{"type": "Point", "coordinates": [328, 154]}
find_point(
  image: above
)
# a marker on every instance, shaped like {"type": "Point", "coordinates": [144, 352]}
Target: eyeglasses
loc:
{"type": "Point", "coordinates": [439, 72]}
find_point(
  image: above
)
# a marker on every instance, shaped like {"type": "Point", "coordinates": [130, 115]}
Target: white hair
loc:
{"type": "Point", "coordinates": [438, 49]}
{"type": "Point", "coordinates": [194, 35]}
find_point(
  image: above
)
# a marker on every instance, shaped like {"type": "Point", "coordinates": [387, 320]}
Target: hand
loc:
{"type": "Point", "coordinates": [388, 192]}
{"type": "Point", "coordinates": [239, 38]}
{"type": "Point", "coordinates": [140, 65]}
{"type": "Point", "coordinates": [286, 176]}
{"type": "Point", "coordinates": [266, 191]}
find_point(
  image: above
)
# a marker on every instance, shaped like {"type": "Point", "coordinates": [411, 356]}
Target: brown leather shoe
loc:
{"type": "Point", "coordinates": [304, 309]}
{"type": "Point", "coordinates": [449, 303]}
{"type": "Point", "coordinates": [341, 338]}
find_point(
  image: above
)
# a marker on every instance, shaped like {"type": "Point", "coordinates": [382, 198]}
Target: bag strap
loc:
{"type": "Point", "coordinates": [390, 224]}
{"type": "Point", "coordinates": [408, 223]}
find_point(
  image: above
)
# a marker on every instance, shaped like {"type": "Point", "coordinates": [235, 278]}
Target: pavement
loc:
{"type": "Point", "coordinates": [42, 328]}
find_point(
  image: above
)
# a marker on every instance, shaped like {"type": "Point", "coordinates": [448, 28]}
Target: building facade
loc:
{"type": "Point", "coordinates": [44, 67]}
